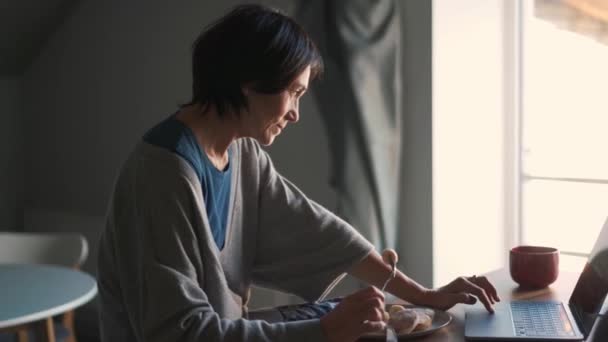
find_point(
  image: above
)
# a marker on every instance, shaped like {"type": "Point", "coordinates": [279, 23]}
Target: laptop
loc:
{"type": "Point", "coordinates": [548, 320]}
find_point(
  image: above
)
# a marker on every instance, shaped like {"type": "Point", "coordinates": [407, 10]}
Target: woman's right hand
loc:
{"type": "Point", "coordinates": [359, 313]}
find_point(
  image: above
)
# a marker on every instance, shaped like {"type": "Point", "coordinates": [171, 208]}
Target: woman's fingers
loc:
{"type": "Point", "coordinates": [484, 283]}
{"type": "Point", "coordinates": [374, 310]}
{"type": "Point", "coordinates": [371, 312]}
{"type": "Point", "coordinates": [477, 282]}
{"type": "Point", "coordinates": [371, 309]}
{"type": "Point", "coordinates": [464, 298]}
{"type": "Point", "coordinates": [479, 292]}
{"type": "Point", "coordinates": [368, 303]}
{"type": "Point", "coordinates": [468, 290]}
{"type": "Point", "coordinates": [367, 293]}
{"type": "Point", "coordinates": [389, 256]}
{"type": "Point", "coordinates": [356, 314]}
{"type": "Point", "coordinates": [372, 326]}
{"type": "Point", "coordinates": [373, 315]}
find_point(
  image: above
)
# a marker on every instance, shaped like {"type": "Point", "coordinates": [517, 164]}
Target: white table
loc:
{"type": "Point", "coordinates": [30, 295]}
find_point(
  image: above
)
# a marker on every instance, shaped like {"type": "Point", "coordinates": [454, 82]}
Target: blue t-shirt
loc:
{"type": "Point", "coordinates": [175, 136]}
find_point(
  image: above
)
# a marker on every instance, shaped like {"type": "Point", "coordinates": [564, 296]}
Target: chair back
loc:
{"type": "Point", "coordinates": [65, 249]}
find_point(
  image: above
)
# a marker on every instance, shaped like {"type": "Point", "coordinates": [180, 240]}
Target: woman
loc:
{"type": "Point", "coordinates": [199, 213]}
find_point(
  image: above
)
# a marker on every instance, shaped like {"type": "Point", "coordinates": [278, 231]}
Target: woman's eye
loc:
{"type": "Point", "coordinates": [296, 93]}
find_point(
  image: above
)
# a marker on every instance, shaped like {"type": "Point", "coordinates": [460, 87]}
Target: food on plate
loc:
{"type": "Point", "coordinates": [394, 308]}
{"type": "Point", "coordinates": [405, 320]}
{"type": "Point", "coordinates": [425, 319]}
{"type": "Point", "coordinates": [386, 316]}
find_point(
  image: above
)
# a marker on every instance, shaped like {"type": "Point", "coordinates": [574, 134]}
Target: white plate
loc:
{"type": "Point", "coordinates": [440, 320]}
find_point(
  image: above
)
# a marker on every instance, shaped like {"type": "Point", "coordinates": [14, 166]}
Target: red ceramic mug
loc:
{"type": "Point", "coordinates": [534, 266]}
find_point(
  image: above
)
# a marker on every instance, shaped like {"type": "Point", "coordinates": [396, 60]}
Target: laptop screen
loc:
{"type": "Point", "coordinates": [590, 292]}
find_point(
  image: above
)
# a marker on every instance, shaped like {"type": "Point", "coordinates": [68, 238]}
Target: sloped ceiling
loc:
{"type": "Point", "coordinates": [25, 26]}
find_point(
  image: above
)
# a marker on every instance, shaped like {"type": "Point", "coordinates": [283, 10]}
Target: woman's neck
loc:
{"type": "Point", "coordinates": [213, 133]}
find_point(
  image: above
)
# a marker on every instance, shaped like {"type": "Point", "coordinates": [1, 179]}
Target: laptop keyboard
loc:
{"type": "Point", "coordinates": [532, 319]}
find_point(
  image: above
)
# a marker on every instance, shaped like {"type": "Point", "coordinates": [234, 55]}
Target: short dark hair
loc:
{"type": "Point", "coordinates": [252, 44]}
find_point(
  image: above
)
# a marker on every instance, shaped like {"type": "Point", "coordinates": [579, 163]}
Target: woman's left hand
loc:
{"type": "Point", "coordinates": [466, 290]}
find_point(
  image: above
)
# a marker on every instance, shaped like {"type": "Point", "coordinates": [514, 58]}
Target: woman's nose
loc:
{"type": "Point", "coordinates": [293, 115]}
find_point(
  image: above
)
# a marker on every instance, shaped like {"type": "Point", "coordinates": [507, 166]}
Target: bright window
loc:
{"type": "Point", "coordinates": [564, 137]}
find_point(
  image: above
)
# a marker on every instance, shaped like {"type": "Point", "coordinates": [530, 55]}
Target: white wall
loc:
{"type": "Point", "coordinates": [468, 135]}
{"type": "Point", "coordinates": [10, 153]}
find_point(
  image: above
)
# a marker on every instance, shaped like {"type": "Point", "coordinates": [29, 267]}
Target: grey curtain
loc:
{"type": "Point", "coordinates": [359, 100]}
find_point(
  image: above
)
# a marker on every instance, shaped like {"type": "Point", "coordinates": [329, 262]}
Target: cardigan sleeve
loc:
{"type": "Point", "coordinates": [302, 248]}
{"type": "Point", "coordinates": [160, 270]}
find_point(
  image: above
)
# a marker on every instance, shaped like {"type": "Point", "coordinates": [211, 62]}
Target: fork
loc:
{"type": "Point", "coordinates": [390, 256]}
{"type": "Point", "coordinates": [391, 276]}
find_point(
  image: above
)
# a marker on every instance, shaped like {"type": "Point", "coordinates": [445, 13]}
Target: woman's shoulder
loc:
{"type": "Point", "coordinates": [154, 160]}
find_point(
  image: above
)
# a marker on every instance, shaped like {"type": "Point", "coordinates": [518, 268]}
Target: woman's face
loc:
{"type": "Point", "coordinates": [269, 114]}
